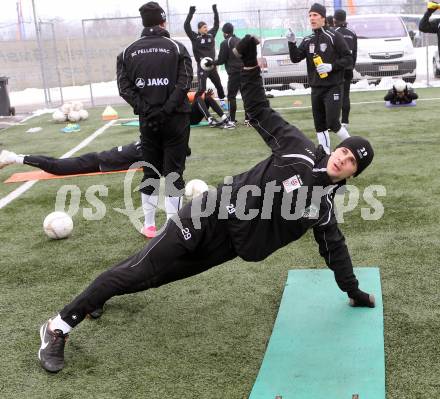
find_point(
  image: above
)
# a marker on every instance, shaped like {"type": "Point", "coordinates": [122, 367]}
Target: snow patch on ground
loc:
{"type": "Point", "coordinates": [110, 89]}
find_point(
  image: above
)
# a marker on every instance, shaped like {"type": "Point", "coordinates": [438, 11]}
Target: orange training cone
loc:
{"type": "Point", "coordinates": [109, 113]}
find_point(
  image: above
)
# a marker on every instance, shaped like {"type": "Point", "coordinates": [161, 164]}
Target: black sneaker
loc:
{"type": "Point", "coordinates": [97, 313]}
{"type": "Point", "coordinates": [51, 353]}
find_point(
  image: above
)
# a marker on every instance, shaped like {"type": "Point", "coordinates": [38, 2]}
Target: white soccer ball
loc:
{"type": "Point", "coordinates": [58, 225]}
{"type": "Point", "coordinates": [77, 106]}
{"type": "Point", "coordinates": [195, 187]}
{"type": "Point", "coordinates": [83, 114]}
{"type": "Point", "coordinates": [66, 108]}
{"type": "Point", "coordinates": [399, 85]}
{"type": "Point", "coordinates": [203, 64]}
{"type": "Point", "coordinates": [74, 116]}
{"type": "Point", "coordinates": [58, 116]}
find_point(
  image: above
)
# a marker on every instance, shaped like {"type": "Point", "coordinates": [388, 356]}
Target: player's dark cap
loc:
{"type": "Point", "coordinates": [361, 149]}
{"type": "Point", "coordinates": [340, 16]}
{"type": "Point", "coordinates": [318, 8]}
{"type": "Point", "coordinates": [152, 14]}
{"type": "Point", "coordinates": [228, 28]}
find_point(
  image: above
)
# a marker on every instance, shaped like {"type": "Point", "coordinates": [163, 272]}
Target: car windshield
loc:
{"type": "Point", "coordinates": [276, 47]}
{"type": "Point", "coordinates": [378, 27]}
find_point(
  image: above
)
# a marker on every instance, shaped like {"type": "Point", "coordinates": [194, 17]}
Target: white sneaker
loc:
{"type": "Point", "coordinates": [7, 158]}
{"type": "Point", "coordinates": [229, 125]}
{"type": "Point", "coordinates": [212, 122]}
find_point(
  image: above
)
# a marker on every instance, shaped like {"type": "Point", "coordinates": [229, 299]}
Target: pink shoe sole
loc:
{"type": "Point", "coordinates": [149, 232]}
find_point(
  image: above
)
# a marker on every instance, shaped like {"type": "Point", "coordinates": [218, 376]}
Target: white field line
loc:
{"type": "Point", "coordinates": [26, 186]}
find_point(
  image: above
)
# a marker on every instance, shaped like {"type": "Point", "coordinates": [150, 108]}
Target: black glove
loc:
{"type": "Point", "coordinates": [141, 108]}
{"type": "Point", "coordinates": [214, 7]}
{"type": "Point", "coordinates": [192, 9]}
{"type": "Point", "coordinates": [156, 119]}
{"type": "Point", "coordinates": [360, 298]}
{"type": "Point", "coordinates": [246, 49]}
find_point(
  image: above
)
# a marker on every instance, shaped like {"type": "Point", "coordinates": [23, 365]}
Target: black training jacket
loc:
{"type": "Point", "coordinates": [332, 48]}
{"type": "Point", "coordinates": [287, 179]}
{"type": "Point", "coordinates": [203, 45]}
{"type": "Point", "coordinates": [433, 26]}
{"type": "Point", "coordinates": [226, 56]}
{"type": "Point", "coordinates": [155, 72]}
{"type": "Point", "coordinates": [351, 40]}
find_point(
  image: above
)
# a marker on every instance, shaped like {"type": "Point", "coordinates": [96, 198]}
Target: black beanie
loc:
{"type": "Point", "coordinates": [361, 149]}
{"type": "Point", "coordinates": [319, 8]}
{"type": "Point", "coordinates": [200, 24]}
{"type": "Point", "coordinates": [228, 28]}
{"type": "Point", "coordinates": [340, 16]}
{"type": "Point", "coordinates": [152, 14]}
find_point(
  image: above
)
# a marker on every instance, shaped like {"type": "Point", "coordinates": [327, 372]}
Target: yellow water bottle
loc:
{"type": "Point", "coordinates": [318, 60]}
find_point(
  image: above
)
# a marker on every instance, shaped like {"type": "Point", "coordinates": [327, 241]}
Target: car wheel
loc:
{"type": "Point", "coordinates": [410, 80]}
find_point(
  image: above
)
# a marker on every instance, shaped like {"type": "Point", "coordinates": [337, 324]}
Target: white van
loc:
{"type": "Point", "coordinates": [384, 47]}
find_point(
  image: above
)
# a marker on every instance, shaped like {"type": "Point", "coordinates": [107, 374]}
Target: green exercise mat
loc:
{"type": "Point", "coordinates": [322, 348]}
{"type": "Point", "coordinates": [136, 123]}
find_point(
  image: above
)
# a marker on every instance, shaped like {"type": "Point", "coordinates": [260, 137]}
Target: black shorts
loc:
{"type": "Point", "coordinates": [165, 150]}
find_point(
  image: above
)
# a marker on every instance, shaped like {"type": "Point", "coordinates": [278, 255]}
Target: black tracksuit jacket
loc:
{"type": "Point", "coordinates": [332, 48]}
{"type": "Point", "coordinates": [203, 45]}
{"type": "Point", "coordinates": [351, 40]}
{"type": "Point", "coordinates": [226, 56]}
{"type": "Point", "coordinates": [296, 166]}
{"type": "Point", "coordinates": [433, 26]}
{"type": "Point", "coordinates": [155, 72]}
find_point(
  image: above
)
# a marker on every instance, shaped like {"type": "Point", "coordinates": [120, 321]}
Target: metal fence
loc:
{"type": "Point", "coordinates": [55, 60]}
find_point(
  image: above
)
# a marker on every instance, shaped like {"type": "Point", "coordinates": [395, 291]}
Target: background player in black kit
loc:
{"type": "Point", "coordinates": [340, 21]}
{"type": "Point", "coordinates": [233, 66]}
{"type": "Point", "coordinates": [203, 44]}
{"type": "Point", "coordinates": [401, 94]}
{"type": "Point", "coordinates": [431, 26]}
{"type": "Point", "coordinates": [326, 78]}
{"type": "Point", "coordinates": [154, 75]}
{"type": "Point", "coordinates": [194, 242]}
{"type": "Point", "coordinates": [200, 105]}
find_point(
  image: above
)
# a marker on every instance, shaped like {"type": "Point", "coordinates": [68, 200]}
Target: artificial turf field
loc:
{"type": "Point", "coordinates": [205, 337]}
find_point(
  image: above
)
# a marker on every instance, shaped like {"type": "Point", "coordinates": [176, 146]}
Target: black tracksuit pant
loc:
{"type": "Point", "coordinates": [177, 253]}
{"type": "Point", "coordinates": [326, 107]}
{"type": "Point", "coordinates": [200, 109]}
{"type": "Point", "coordinates": [348, 76]}
{"type": "Point", "coordinates": [233, 88]}
{"type": "Point", "coordinates": [87, 163]}
{"type": "Point", "coordinates": [202, 77]}
{"type": "Point", "coordinates": [165, 151]}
